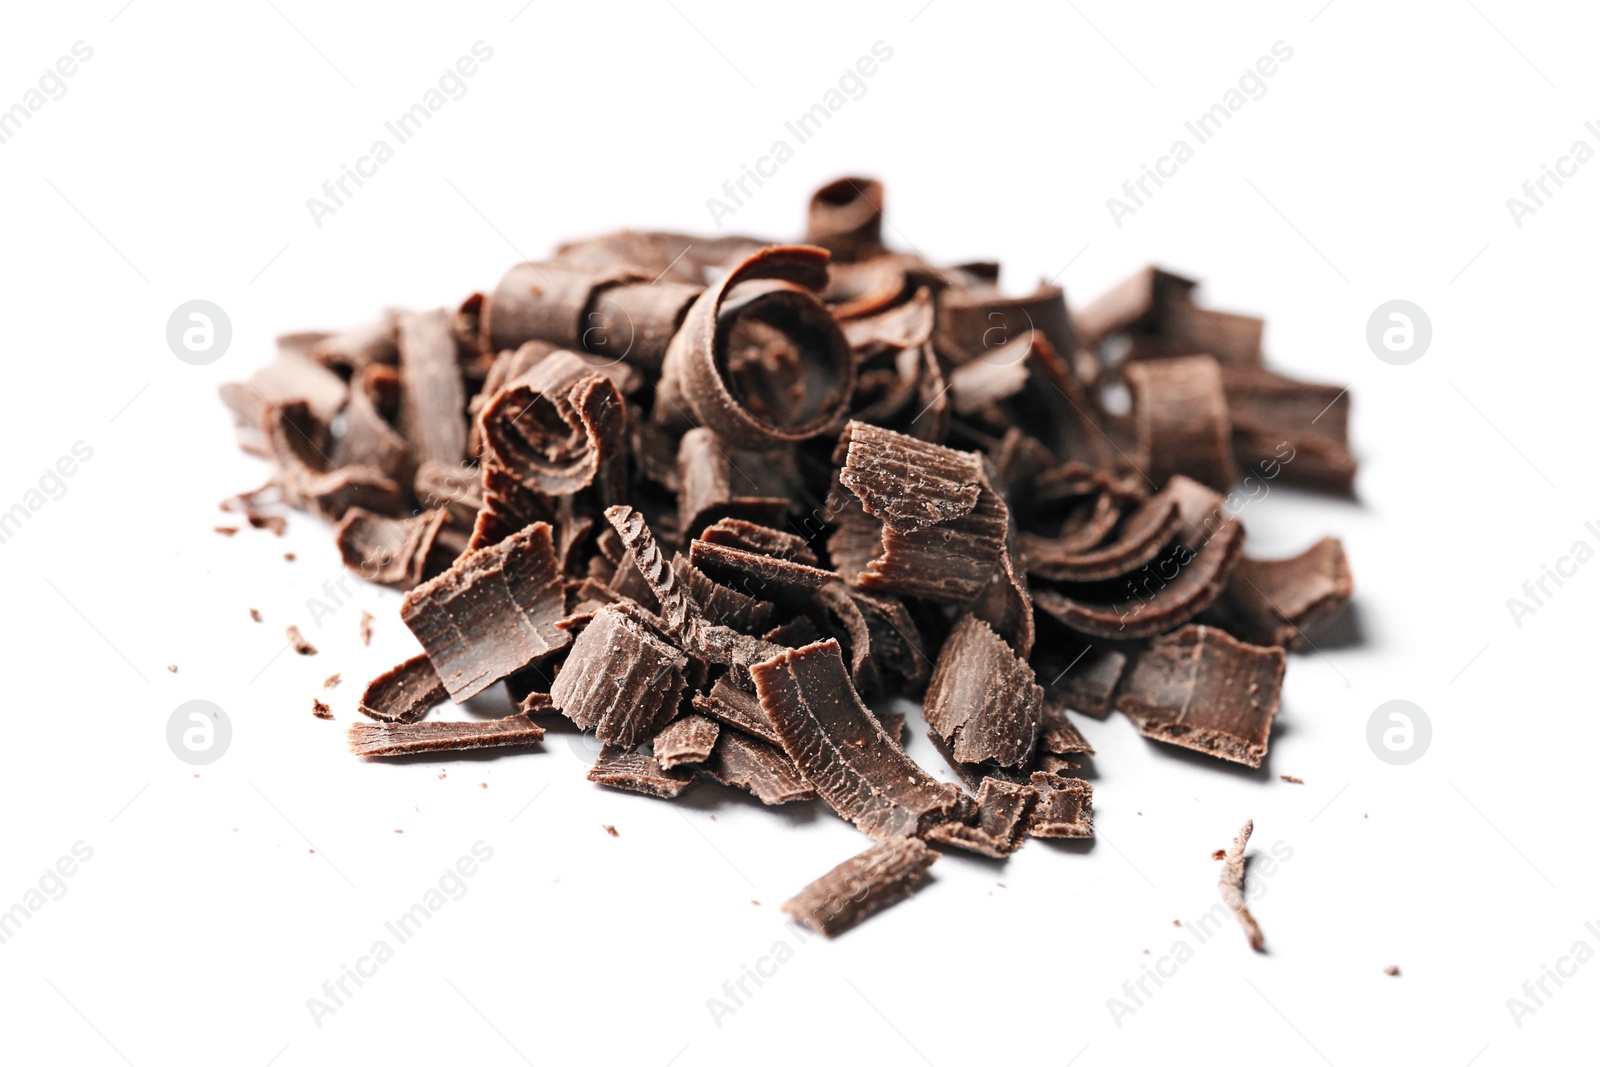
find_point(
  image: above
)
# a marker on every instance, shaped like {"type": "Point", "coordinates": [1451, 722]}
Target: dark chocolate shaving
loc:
{"type": "Point", "coordinates": [1180, 417]}
{"type": "Point", "coordinates": [558, 429]}
{"type": "Point", "coordinates": [1000, 823]}
{"type": "Point", "coordinates": [433, 398]}
{"type": "Point", "coordinates": [638, 773]}
{"type": "Point", "coordinates": [756, 767]}
{"type": "Point", "coordinates": [404, 693]}
{"type": "Point", "coordinates": [1286, 602]}
{"type": "Point", "coordinates": [884, 874]}
{"type": "Point", "coordinates": [392, 739]}
{"type": "Point", "coordinates": [1065, 808]}
{"type": "Point", "coordinates": [1231, 885]}
{"type": "Point", "coordinates": [620, 680]}
{"type": "Point", "coordinates": [686, 740]}
{"type": "Point", "coordinates": [982, 700]}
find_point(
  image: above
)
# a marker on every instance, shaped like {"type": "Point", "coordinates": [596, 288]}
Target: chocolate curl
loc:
{"type": "Point", "coordinates": [1181, 421]}
{"type": "Point", "coordinates": [846, 218]}
{"type": "Point", "coordinates": [636, 322]}
{"type": "Point", "coordinates": [545, 302]}
{"type": "Point", "coordinates": [558, 429]}
{"type": "Point", "coordinates": [973, 321]}
{"type": "Point", "coordinates": [433, 399]}
{"type": "Point", "coordinates": [767, 367]}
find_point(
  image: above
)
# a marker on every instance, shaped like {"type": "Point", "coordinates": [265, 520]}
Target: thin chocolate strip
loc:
{"type": "Point", "coordinates": [1058, 735]}
{"type": "Point", "coordinates": [846, 218]}
{"type": "Point", "coordinates": [432, 396]}
{"type": "Point", "coordinates": [1143, 533]}
{"type": "Point", "coordinates": [765, 577]}
{"type": "Point", "coordinates": [718, 603]}
{"type": "Point", "coordinates": [1293, 429]}
{"type": "Point", "coordinates": [357, 348]}
{"type": "Point", "coordinates": [404, 693]}
{"type": "Point", "coordinates": [1181, 420]}
{"type": "Point", "coordinates": [620, 680]}
{"type": "Point", "coordinates": [754, 537]}
{"type": "Point", "coordinates": [690, 739]}
{"type": "Point", "coordinates": [391, 739]}
{"type": "Point", "coordinates": [1065, 808]}
{"type": "Point", "coordinates": [713, 487]}
{"type": "Point", "coordinates": [457, 489]}
{"type": "Point", "coordinates": [558, 429]}
{"type": "Point", "coordinates": [305, 475]}
{"type": "Point", "coordinates": [638, 773]}
{"type": "Point", "coordinates": [1286, 602]}
{"type": "Point", "coordinates": [493, 612]}
{"type": "Point", "coordinates": [884, 874]}
{"type": "Point", "coordinates": [392, 552]}
{"type": "Point", "coordinates": [1231, 885]}
{"type": "Point", "coordinates": [545, 302]}
{"type": "Point", "coordinates": [905, 483]}
{"type": "Point", "coordinates": [1136, 304]}
{"type": "Point", "coordinates": [982, 700]}
{"type": "Point", "coordinates": [798, 392]}
{"type": "Point", "coordinates": [756, 767]}
{"type": "Point", "coordinates": [972, 322]}
{"type": "Point", "coordinates": [1201, 689]}
{"type": "Point", "coordinates": [1004, 810]}
{"type": "Point", "coordinates": [841, 747]}
{"type": "Point", "coordinates": [369, 439]}
{"type": "Point", "coordinates": [289, 378]}
{"type": "Point", "coordinates": [733, 706]}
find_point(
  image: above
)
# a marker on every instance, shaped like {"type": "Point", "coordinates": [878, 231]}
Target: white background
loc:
{"type": "Point", "coordinates": [1377, 166]}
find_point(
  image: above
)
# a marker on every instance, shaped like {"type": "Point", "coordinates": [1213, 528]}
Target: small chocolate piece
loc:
{"type": "Point", "coordinates": [355, 349]}
{"type": "Point", "coordinates": [321, 709]}
{"type": "Point", "coordinates": [620, 680]}
{"type": "Point", "coordinates": [745, 763]}
{"type": "Point", "coordinates": [1058, 735]}
{"type": "Point", "coordinates": [1292, 779]}
{"type": "Point", "coordinates": [982, 700]}
{"type": "Point", "coordinates": [1079, 675]}
{"type": "Point", "coordinates": [973, 322]}
{"type": "Point", "coordinates": [404, 693]}
{"type": "Point", "coordinates": [298, 642]}
{"type": "Point", "coordinates": [1201, 689]}
{"type": "Point", "coordinates": [841, 747]}
{"type": "Point", "coordinates": [558, 429]}
{"type": "Point", "coordinates": [255, 614]}
{"type": "Point", "coordinates": [1065, 808]}
{"type": "Point", "coordinates": [1231, 885]}
{"type": "Point", "coordinates": [735, 707]}
{"type": "Point", "coordinates": [1140, 537]}
{"type": "Point", "coordinates": [1290, 428]}
{"type": "Point", "coordinates": [638, 773]}
{"type": "Point", "coordinates": [493, 612]}
{"type": "Point", "coordinates": [1180, 418]}
{"type": "Point", "coordinates": [714, 486]}
{"type": "Point", "coordinates": [686, 740]}
{"type": "Point", "coordinates": [1286, 602]}
{"type": "Point", "coordinates": [906, 483]}
{"type": "Point", "coordinates": [1004, 810]}
{"type": "Point", "coordinates": [433, 400]}
{"type": "Point", "coordinates": [391, 739]}
{"type": "Point", "coordinates": [884, 874]}
{"type": "Point", "coordinates": [366, 625]}
{"type": "Point", "coordinates": [1392, 971]}
{"type": "Point", "coordinates": [330, 681]}
{"type": "Point", "coordinates": [846, 218]}
{"type": "Point", "coordinates": [392, 552]}
{"type": "Point", "coordinates": [547, 302]}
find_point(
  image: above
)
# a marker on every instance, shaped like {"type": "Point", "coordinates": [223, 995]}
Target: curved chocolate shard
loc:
{"type": "Point", "coordinates": [433, 398]}
{"type": "Point", "coordinates": [392, 552]}
{"type": "Point", "coordinates": [905, 483]}
{"type": "Point", "coordinates": [1231, 885]}
{"type": "Point", "coordinates": [305, 475]}
{"type": "Point", "coordinates": [291, 377]}
{"type": "Point", "coordinates": [1142, 534]}
{"type": "Point", "coordinates": [1180, 418]}
{"type": "Point", "coordinates": [861, 291]}
{"type": "Point", "coordinates": [508, 506]}
{"type": "Point", "coordinates": [1165, 593]}
{"type": "Point", "coordinates": [762, 367]}
{"type": "Point", "coordinates": [688, 740]}
{"type": "Point", "coordinates": [1201, 689]}
{"type": "Point", "coordinates": [713, 486]}
{"type": "Point", "coordinates": [359, 347]}
{"type": "Point", "coordinates": [972, 322]}
{"type": "Point", "coordinates": [907, 325]}
{"type": "Point", "coordinates": [762, 539]}
{"type": "Point", "coordinates": [1065, 808]}
{"type": "Point", "coordinates": [395, 739]}
{"type": "Point", "coordinates": [756, 767]}
{"type": "Point", "coordinates": [841, 747]}
{"type": "Point", "coordinates": [846, 218]}
{"type": "Point", "coordinates": [1289, 428]}
{"type": "Point", "coordinates": [954, 561]}
{"type": "Point", "coordinates": [983, 700]}
{"type": "Point", "coordinates": [884, 645]}
{"type": "Point", "coordinates": [1286, 602]}
{"type": "Point", "coordinates": [545, 302]}
{"type": "Point", "coordinates": [1026, 383]}
{"type": "Point", "coordinates": [675, 257]}
{"type": "Point", "coordinates": [1000, 823]}
{"type": "Point", "coordinates": [457, 489]}
{"type": "Point", "coordinates": [634, 771]}
{"type": "Point", "coordinates": [636, 321]}
{"type": "Point", "coordinates": [782, 581]}
{"type": "Point", "coordinates": [1007, 604]}
{"type": "Point", "coordinates": [404, 693]}
{"type": "Point", "coordinates": [1058, 736]}
{"type": "Point", "coordinates": [1136, 304]}
{"type": "Point", "coordinates": [720, 604]}
{"type": "Point", "coordinates": [733, 706]}
{"type": "Point", "coordinates": [492, 613]}
{"type": "Point", "coordinates": [620, 680]}
{"type": "Point", "coordinates": [559, 429]}
{"type": "Point", "coordinates": [884, 874]}
{"type": "Point", "coordinates": [369, 439]}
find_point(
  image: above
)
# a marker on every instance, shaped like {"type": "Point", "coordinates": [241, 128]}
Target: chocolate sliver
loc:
{"type": "Point", "coordinates": [1180, 419]}
{"type": "Point", "coordinates": [404, 693]}
{"type": "Point", "coordinates": [1000, 823]}
{"type": "Point", "coordinates": [300, 446]}
{"type": "Point", "coordinates": [357, 348]}
{"type": "Point", "coordinates": [905, 483]}
{"type": "Point", "coordinates": [287, 379]}
{"type": "Point", "coordinates": [493, 612]}
{"type": "Point", "coordinates": [634, 771]}
{"type": "Point", "coordinates": [905, 326]}
{"type": "Point", "coordinates": [636, 321]}
{"type": "Point", "coordinates": [1286, 602]}
{"type": "Point", "coordinates": [559, 429]}
{"type": "Point", "coordinates": [796, 633]}
{"type": "Point", "coordinates": [757, 767]}
{"type": "Point", "coordinates": [1201, 689]}
{"type": "Point", "coordinates": [841, 747]}
{"type": "Point", "coordinates": [713, 486]}
{"type": "Point", "coordinates": [686, 740]}
{"type": "Point", "coordinates": [982, 700]}
{"type": "Point", "coordinates": [620, 680]}
{"type": "Point", "coordinates": [1140, 537]}
{"type": "Point", "coordinates": [433, 399]}
{"type": "Point", "coordinates": [762, 539]}
{"type": "Point", "coordinates": [880, 635]}
{"type": "Point", "coordinates": [972, 322]}
{"type": "Point", "coordinates": [1231, 338]}
{"type": "Point", "coordinates": [1065, 808]}
{"type": "Point", "coordinates": [535, 704]}
{"type": "Point", "coordinates": [846, 218]}
{"type": "Point", "coordinates": [1230, 883]}
{"type": "Point", "coordinates": [811, 365]}
{"type": "Point", "coordinates": [1058, 735]}
{"type": "Point", "coordinates": [678, 257]}
{"type": "Point", "coordinates": [1136, 303]}
{"type": "Point", "coordinates": [392, 552]}
{"type": "Point", "coordinates": [456, 488]}
{"type": "Point", "coordinates": [1163, 594]}
{"type": "Point", "coordinates": [1006, 603]}
{"type": "Point", "coordinates": [884, 874]}
{"type": "Point", "coordinates": [764, 577]}
{"type": "Point", "coordinates": [369, 440]}
{"type": "Point", "coordinates": [733, 706]}
{"type": "Point", "coordinates": [393, 739]}
{"type": "Point", "coordinates": [953, 561]}
{"type": "Point", "coordinates": [545, 302]}
{"type": "Point", "coordinates": [722, 605]}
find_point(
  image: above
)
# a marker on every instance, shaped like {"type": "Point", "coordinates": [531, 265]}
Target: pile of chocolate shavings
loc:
{"type": "Point", "coordinates": [708, 497]}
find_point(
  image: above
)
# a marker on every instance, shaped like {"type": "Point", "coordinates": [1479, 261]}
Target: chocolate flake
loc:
{"type": "Point", "coordinates": [1004, 810]}
{"type": "Point", "coordinates": [404, 693]}
{"type": "Point", "coordinates": [1286, 602]}
{"type": "Point", "coordinates": [686, 740]}
{"type": "Point", "coordinates": [366, 625]}
{"type": "Point", "coordinates": [1231, 885]}
{"type": "Point", "coordinates": [884, 874]}
{"type": "Point", "coordinates": [321, 709]}
{"type": "Point", "coordinates": [620, 680]}
{"type": "Point", "coordinates": [1201, 689]}
{"type": "Point", "coordinates": [1065, 808]}
{"type": "Point", "coordinates": [298, 642]}
{"type": "Point", "coordinates": [757, 767]}
{"type": "Point", "coordinates": [391, 739]}
{"type": "Point", "coordinates": [982, 699]}
{"type": "Point", "coordinates": [638, 773]}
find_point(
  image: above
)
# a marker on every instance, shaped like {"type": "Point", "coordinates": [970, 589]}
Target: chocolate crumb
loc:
{"type": "Point", "coordinates": [301, 645]}
{"type": "Point", "coordinates": [1292, 778]}
{"type": "Point", "coordinates": [608, 828]}
{"type": "Point", "coordinates": [1392, 971]}
{"type": "Point", "coordinates": [366, 627]}
{"type": "Point", "coordinates": [321, 710]}
{"type": "Point", "coordinates": [226, 531]}
{"type": "Point", "coordinates": [1231, 885]}
{"type": "Point", "coordinates": [330, 681]}
{"type": "Point", "coordinates": [173, 667]}
{"type": "Point", "coordinates": [255, 615]}
{"type": "Point", "coordinates": [290, 556]}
